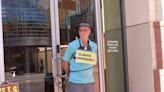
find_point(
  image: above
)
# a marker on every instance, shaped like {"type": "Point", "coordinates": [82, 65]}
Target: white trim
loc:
{"type": "Point", "coordinates": [102, 12]}
{"type": "Point", "coordinates": [100, 46]}
{"type": "Point", "coordinates": [55, 41]}
{"type": "Point", "coordinates": [2, 70]}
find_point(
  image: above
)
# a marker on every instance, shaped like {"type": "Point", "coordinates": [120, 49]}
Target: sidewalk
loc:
{"type": "Point", "coordinates": [29, 82]}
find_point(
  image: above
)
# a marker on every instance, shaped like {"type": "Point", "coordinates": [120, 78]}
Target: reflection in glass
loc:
{"type": "Point", "coordinates": [27, 42]}
{"type": "Point", "coordinates": [73, 12]}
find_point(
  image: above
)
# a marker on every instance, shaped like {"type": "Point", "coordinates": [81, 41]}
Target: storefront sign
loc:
{"type": "Point", "coordinates": [9, 87]}
{"type": "Point", "coordinates": [86, 57]}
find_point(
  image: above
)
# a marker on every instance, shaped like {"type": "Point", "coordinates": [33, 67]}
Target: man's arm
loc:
{"type": "Point", "coordinates": [65, 66]}
{"type": "Point", "coordinates": [66, 58]}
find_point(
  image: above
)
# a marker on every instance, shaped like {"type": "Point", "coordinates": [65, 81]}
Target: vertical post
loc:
{"type": "Point", "coordinates": [53, 35]}
{"type": "Point", "coordinates": [2, 70]}
{"type": "Point", "coordinates": [55, 42]}
{"type": "Point", "coordinates": [124, 46]}
{"type": "Point", "coordinates": [27, 59]}
{"type": "Point", "coordinates": [46, 65]}
{"type": "Point", "coordinates": [100, 47]}
{"type": "Point", "coordinates": [37, 60]}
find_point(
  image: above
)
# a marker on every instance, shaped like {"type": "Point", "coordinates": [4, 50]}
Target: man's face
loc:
{"type": "Point", "coordinates": [84, 32]}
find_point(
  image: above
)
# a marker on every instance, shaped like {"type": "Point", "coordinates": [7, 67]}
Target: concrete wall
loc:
{"type": "Point", "coordinates": [141, 11]}
{"type": "Point", "coordinates": [162, 38]}
{"type": "Point", "coordinates": [140, 15]}
{"type": "Point", "coordinates": [162, 79]}
{"type": "Point", "coordinates": [140, 58]}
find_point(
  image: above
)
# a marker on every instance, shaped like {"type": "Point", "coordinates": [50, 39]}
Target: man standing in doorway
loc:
{"type": "Point", "coordinates": [79, 59]}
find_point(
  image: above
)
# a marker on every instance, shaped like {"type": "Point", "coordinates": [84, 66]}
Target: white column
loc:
{"type": "Point", "coordinates": [2, 71]}
{"type": "Point", "coordinates": [100, 46]}
{"type": "Point", "coordinates": [140, 16]}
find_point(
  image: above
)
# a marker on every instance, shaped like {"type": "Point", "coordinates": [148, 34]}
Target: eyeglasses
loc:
{"type": "Point", "coordinates": [84, 30]}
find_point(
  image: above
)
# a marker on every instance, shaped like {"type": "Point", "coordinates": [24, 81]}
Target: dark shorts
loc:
{"type": "Point", "coordinates": [76, 87]}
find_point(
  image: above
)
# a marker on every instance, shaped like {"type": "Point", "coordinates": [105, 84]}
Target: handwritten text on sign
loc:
{"type": "Point", "coordinates": [86, 57]}
{"type": "Point", "coordinates": [11, 87]}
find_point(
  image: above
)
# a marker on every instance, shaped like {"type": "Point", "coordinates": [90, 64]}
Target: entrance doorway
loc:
{"type": "Point", "coordinates": [65, 16]}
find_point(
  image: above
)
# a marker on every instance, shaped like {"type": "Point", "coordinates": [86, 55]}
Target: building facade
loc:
{"type": "Point", "coordinates": [35, 33]}
{"type": "Point", "coordinates": [144, 45]}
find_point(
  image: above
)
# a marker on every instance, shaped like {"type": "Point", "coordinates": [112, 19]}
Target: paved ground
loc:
{"type": "Point", "coordinates": [32, 87]}
{"type": "Point", "coordinates": [28, 82]}
{"type": "Point", "coordinates": [35, 82]}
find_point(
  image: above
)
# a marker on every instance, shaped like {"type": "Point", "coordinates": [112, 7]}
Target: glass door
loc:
{"type": "Point", "coordinates": [27, 44]}
{"type": "Point", "coordinates": [67, 16]}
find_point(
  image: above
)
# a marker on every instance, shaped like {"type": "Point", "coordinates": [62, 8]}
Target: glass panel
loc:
{"type": "Point", "coordinates": [71, 13]}
{"type": "Point", "coordinates": [27, 43]}
{"type": "Point", "coordinates": [114, 72]}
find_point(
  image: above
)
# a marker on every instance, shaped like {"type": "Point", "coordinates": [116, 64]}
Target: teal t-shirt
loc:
{"type": "Point", "coordinates": [76, 76]}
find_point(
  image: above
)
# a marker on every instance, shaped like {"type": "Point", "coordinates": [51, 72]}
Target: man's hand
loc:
{"type": "Point", "coordinates": [5, 82]}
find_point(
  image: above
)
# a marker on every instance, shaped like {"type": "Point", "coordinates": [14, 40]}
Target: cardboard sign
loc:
{"type": "Point", "coordinates": [10, 87]}
{"type": "Point", "coordinates": [86, 57]}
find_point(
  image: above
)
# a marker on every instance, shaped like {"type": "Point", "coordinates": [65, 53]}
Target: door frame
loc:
{"type": "Point", "coordinates": [2, 65]}
{"type": "Point", "coordinates": [56, 43]}
{"type": "Point", "coordinates": [99, 28]}
{"type": "Point", "coordinates": [55, 37]}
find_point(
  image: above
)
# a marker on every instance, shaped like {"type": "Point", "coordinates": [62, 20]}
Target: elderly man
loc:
{"type": "Point", "coordinates": [79, 58]}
